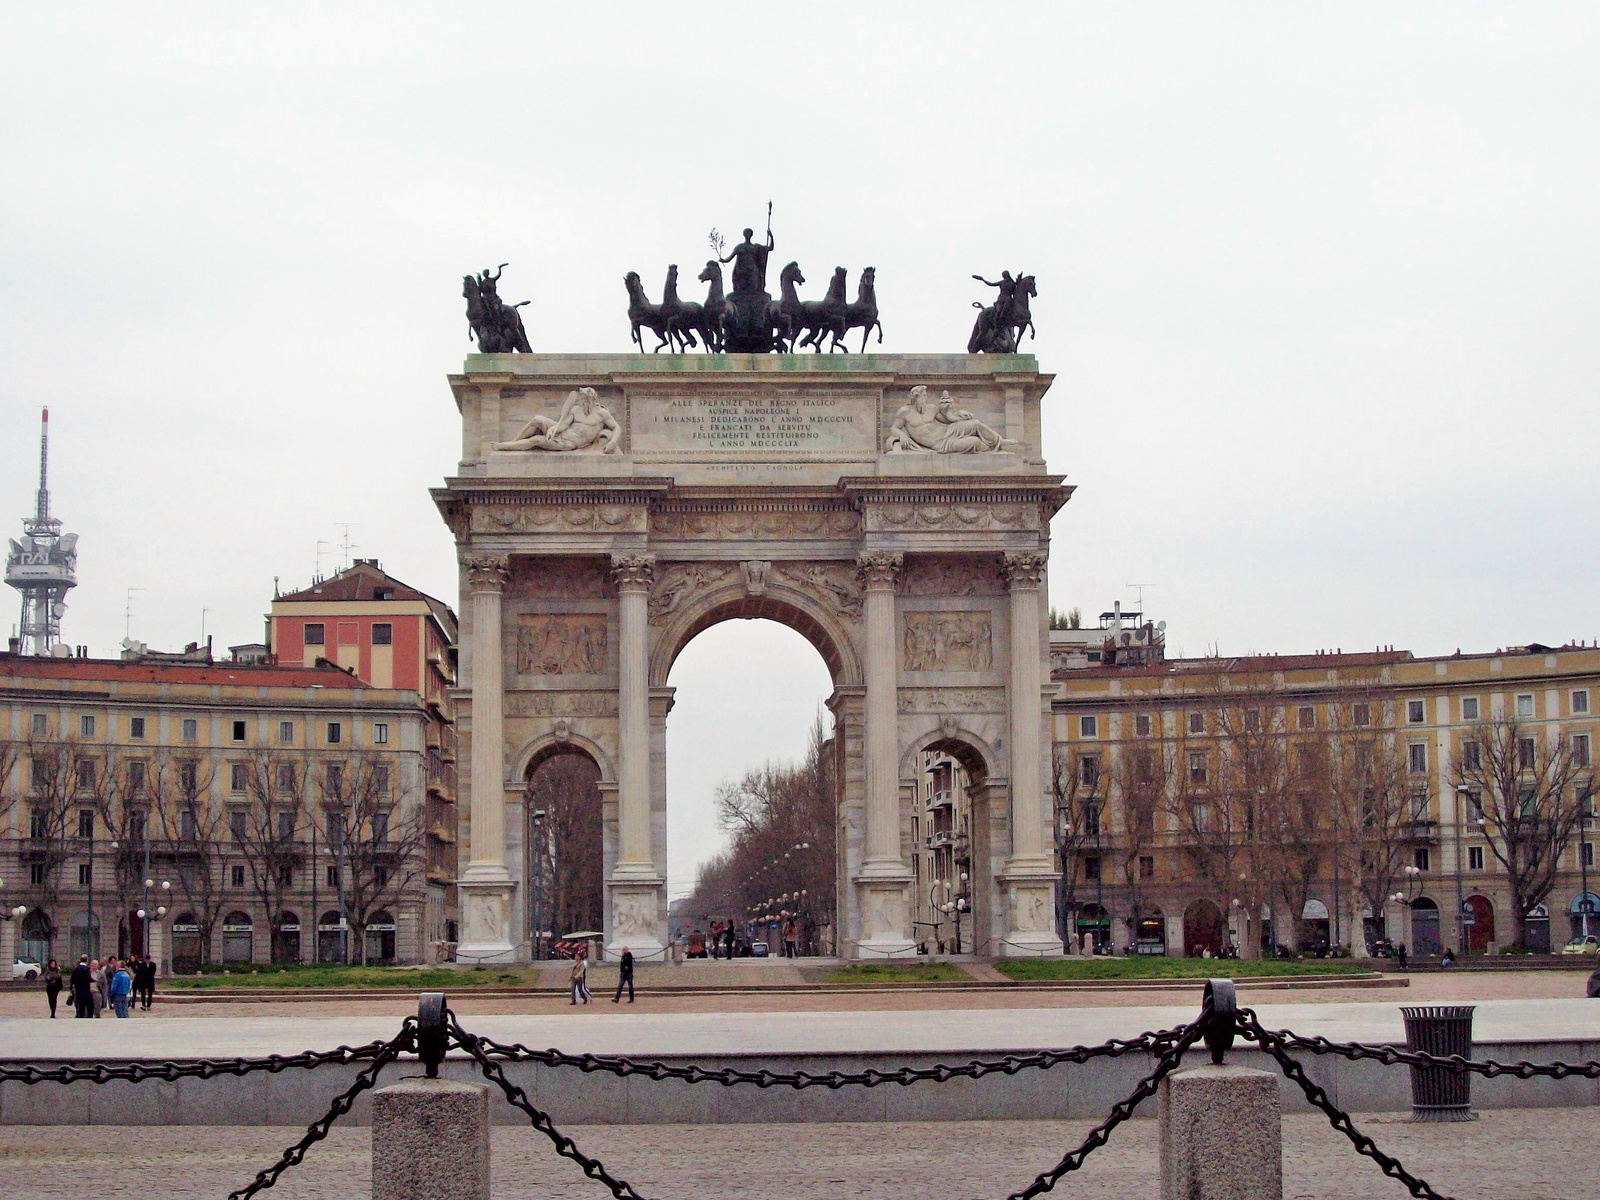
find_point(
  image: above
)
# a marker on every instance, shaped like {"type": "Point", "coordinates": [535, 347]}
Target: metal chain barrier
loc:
{"type": "Point", "coordinates": [435, 1031]}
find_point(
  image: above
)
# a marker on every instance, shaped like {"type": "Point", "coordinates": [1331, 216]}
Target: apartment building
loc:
{"type": "Point", "coordinates": [205, 812]}
{"type": "Point", "coordinates": [1330, 799]}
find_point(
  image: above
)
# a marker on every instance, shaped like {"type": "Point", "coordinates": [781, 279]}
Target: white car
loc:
{"type": "Point", "coordinates": [23, 969]}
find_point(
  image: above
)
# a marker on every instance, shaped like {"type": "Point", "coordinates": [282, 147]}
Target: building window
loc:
{"type": "Point", "coordinates": [1088, 727]}
{"type": "Point", "coordinates": [1361, 714]}
{"type": "Point", "coordinates": [1474, 858]}
{"type": "Point", "coordinates": [1525, 704]}
{"type": "Point", "coordinates": [335, 778]}
{"type": "Point", "coordinates": [1469, 708]}
{"type": "Point", "coordinates": [1420, 858]}
{"type": "Point", "coordinates": [136, 777]}
{"type": "Point", "coordinates": [136, 728]}
{"type": "Point", "coordinates": [238, 777]}
{"type": "Point", "coordinates": [86, 822]}
{"type": "Point", "coordinates": [1417, 758]}
{"type": "Point", "coordinates": [380, 876]}
{"type": "Point", "coordinates": [1307, 717]}
{"type": "Point", "coordinates": [1147, 866]}
{"type": "Point", "coordinates": [238, 875]}
{"type": "Point", "coordinates": [1091, 867]}
{"type": "Point", "coordinates": [1197, 722]}
{"type": "Point", "coordinates": [191, 730]}
{"type": "Point", "coordinates": [239, 825]}
{"type": "Point", "coordinates": [1588, 854]}
{"type": "Point", "coordinates": [1416, 711]}
{"type": "Point", "coordinates": [286, 779]}
{"type": "Point", "coordinates": [380, 733]}
{"type": "Point", "coordinates": [86, 774]}
{"type": "Point", "coordinates": [188, 778]}
{"type": "Point", "coordinates": [85, 874]}
{"type": "Point", "coordinates": [1141, 725]}
{"type": "Point", "coordinates": [1197, 766]}
{"type": "Point", "coordinates": [36, 874]}
{"type": "Point", "coordinates": [1527, 753]}
{"type": "Point", "coordinates": [380, 779]}
{"type": "Point", "coordinates": [1580, 749]}
{"type": "Point", "coordinates": [39, 774]}
{"type": "Point", "coordinates": [286, 876]}
{"type": "Point", "coordinates": [286, 825]}
{"type": "Point", "coordinates": [335, 733]}
{"type": "Point", "coordinates": [286, 732]}
{"type": "Point", "coordinates": [382, 634]}
{"type": "Point", "coordinates": [315, 634]}
{"type": "Point", "coordinates": [188, 826]}
{"type": "Point", "coordinates": [86, 726]}
{"type": "Point", "coordinates": [38, 823]}
{"type": "Point", "coordinates": [1089, 770]}
{"type": "Point", "coordinates": [333, 877]}
{"type": "Point", "coordinates": [1471, 755]}
{"type": "Point", "coordinates": [1580, 702]}
{"type": "Point", "coordinates": [1252, 720]}
{"type": "Point", "coordinates": [238, 731]}
{"type": "Point", "coordinates": [41, 725]}
{"type": "Point", "coordinates": [1091, 820]}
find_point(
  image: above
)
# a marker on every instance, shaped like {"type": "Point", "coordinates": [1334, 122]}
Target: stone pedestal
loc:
{"type": "Point", "coordinates": [430, 1141]}
{"type": "Point", "coordinates": [8, 939]}
{"type": "Point", "coordinates": [635, 883]}
{"type": "Point", "coordinates": [1221, 1135]}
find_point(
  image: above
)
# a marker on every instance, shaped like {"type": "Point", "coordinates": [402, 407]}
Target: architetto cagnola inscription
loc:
{"type": "Point", "coordinates": [894, 509]}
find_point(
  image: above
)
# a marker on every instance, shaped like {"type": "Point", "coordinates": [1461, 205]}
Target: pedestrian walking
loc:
{"type": "Point", "coordinates": [580, 976]}
{"type": "Point", "coordinates": [97, 993]}
{"type": "Point", "coordinates": [1400, 953]}
{"type": "Point", "coordinates": [625, 976]}
{"type": "Point", "coordinates": [52, 985]}
{"type": "Point", "coordinates": [147, 980]}
{"type": "Point", "coordinates": [121, 989]}
{"type": "Point", "coordinates": [789, 939]}
{"type": "Point", "coordinates": [716, 940]}
{"type": "Point", "coordinates": [82, 985]}
{"type": "Point", "coordinates": [727, 940]}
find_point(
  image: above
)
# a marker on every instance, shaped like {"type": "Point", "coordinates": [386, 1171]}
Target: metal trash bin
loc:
{"type": "Point", "coordinates": [1437, 1093]}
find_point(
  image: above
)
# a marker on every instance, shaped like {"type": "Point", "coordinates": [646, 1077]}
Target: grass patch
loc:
{"type": "Point", "coordinates": [872, 972]}
{"type": "Point", "coordinates": [1026, 970]}
{"type": "Point", "coordinates": [409, 978]}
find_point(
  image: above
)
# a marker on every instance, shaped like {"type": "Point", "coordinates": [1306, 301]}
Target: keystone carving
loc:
{"type": "Point", "coordinates": [755, 576]}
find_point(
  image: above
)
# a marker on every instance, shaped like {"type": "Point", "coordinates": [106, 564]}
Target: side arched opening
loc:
{"type": "Point", "coordinates": [566, 850]}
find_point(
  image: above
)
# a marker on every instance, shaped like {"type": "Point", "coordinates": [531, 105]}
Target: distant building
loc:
{"type": "Point", "coordinates": [390, 635]}
{"type": "Point", "coordinates": [941, 856]}
{"type": "Point", "coordinates": [282, 805]}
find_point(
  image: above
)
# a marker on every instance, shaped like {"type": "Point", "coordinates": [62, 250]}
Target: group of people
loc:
{"type": "Point", "coordinates": [96, 986]}
{"type": "Point", "coordinates": [580, 977]}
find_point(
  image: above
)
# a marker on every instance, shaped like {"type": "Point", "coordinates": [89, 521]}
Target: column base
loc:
{"type": "Point", "coordinates": [1030, 930]}
{"type": "Point", "coordinates": [636, 915]}
{"type": "Point", "coordinates": [881, 890]}
{"type": "Point", "coordinates": [486, 922]}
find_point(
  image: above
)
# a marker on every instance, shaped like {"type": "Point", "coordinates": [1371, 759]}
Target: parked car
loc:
{"type": "Point", "coordinates": [759, 950]}
{"type": "Point", "coordinates": [1582, 945]}
{"type": "Point", "coordinates": [23, 969]}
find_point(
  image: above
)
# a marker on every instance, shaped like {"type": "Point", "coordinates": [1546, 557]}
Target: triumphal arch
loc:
{"type": "Point", "coordinates": [893, 509]}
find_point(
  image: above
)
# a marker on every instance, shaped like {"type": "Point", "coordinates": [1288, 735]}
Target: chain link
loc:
{"type": "Point", "coordinates": [205, 1068]}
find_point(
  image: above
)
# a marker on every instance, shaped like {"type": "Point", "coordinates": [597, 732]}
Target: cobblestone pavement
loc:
{"type": "Point", "coordinates": [1509, 1155]}
{"type": "Point", "coordinates": [1432, 988]}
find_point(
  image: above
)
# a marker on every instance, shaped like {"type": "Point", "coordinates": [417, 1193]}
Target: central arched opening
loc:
{"type": "Point", "coordinates": [750, 794]}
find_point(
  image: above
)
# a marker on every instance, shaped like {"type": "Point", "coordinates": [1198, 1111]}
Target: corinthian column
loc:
{"type": "Point", "coordinates": [485, 885]}
{"type": "Point", "coordinates": [1030, 871]}
{"type": "Point", "coordinates": [881, 887]}
{"type": "Point", "coordinates": [635, 912]}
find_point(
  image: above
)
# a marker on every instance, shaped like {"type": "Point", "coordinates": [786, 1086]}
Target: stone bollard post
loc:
{"type": "Point", "coordinates": [1221, 1135]}
{"type": "Point", "coordinates": [430, 1141]}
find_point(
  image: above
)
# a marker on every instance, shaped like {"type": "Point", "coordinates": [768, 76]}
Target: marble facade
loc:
{"type": "Point", "coordinates": [893, 509]}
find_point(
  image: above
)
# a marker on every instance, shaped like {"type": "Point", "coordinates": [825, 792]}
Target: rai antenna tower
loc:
{"type": "Point", "coordinates": [43, 566]}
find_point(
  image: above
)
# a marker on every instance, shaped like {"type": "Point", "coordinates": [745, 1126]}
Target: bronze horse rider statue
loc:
{"type": "Point", "coordinates": [496, 324]}
{"type": "Point", "coordinates": [998, 329]}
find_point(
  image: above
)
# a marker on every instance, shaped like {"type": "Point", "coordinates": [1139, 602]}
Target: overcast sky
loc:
{"type": "Point", "coordinates": [1318, 286]}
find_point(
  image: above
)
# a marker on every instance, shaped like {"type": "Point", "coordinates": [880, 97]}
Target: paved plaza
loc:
{"type": "Point", "coordinates": [1509, 1155]}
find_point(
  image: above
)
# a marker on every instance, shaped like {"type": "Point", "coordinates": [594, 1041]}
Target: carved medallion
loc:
{"type": "Point", "coordinates": [561, 644]}
{"type": "Point", "coordinates": [947, 641]}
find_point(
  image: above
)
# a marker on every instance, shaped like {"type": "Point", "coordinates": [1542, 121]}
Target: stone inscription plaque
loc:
{"type": "Point", "coordinates": [812, 424]}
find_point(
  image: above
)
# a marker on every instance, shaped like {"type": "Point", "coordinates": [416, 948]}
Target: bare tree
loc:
{"type": "Point", "coordinates": [1143, 777]}
{"type": "Point", "coordinates": [383, 842]}
{"type": "Point", "coordinates": [1080, 807]}
{"type": "Point", "coordinates": [268, 829]}
{"type": "Point", "coordinates": [193, 830]}
{"type": "Point", "coordinates": [1527, 786]}
{"type": "Point", "coordinates": [49, 797]}
{"type": "Point", "coordinates": [567, 842]}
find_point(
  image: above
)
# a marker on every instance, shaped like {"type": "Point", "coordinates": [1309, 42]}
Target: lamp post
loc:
{"type": "Point", "coordinates": [536, 844]}
{"type": "Point", "coordinates": [1463, 793]}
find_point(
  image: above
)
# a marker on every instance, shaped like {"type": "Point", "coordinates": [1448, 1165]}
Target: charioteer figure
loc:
{"type": "Point", "coordinates": [749, 324]}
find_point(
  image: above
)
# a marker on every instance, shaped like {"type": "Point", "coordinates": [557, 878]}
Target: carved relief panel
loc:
{"type": "Point", "coordinates": [947, 641]}
{"type": "Point", "coordinates": [950, 575]}
{"type": "Point", "coordinates": [561, 644]}
{"type": "Point", "coordinates": [831, 582]}
{"type": "Point", "coordinates": [560, 578]}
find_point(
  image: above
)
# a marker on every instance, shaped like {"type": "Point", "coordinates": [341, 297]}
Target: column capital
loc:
{"type": "Point", "coordinates": [487, 572]}
{"type": "Point", "coordinates": [1023, 569]}
{"type": "Point", "coordinates": [633, 572]}
{"type": "Point", "coordinates": [879, 570]}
